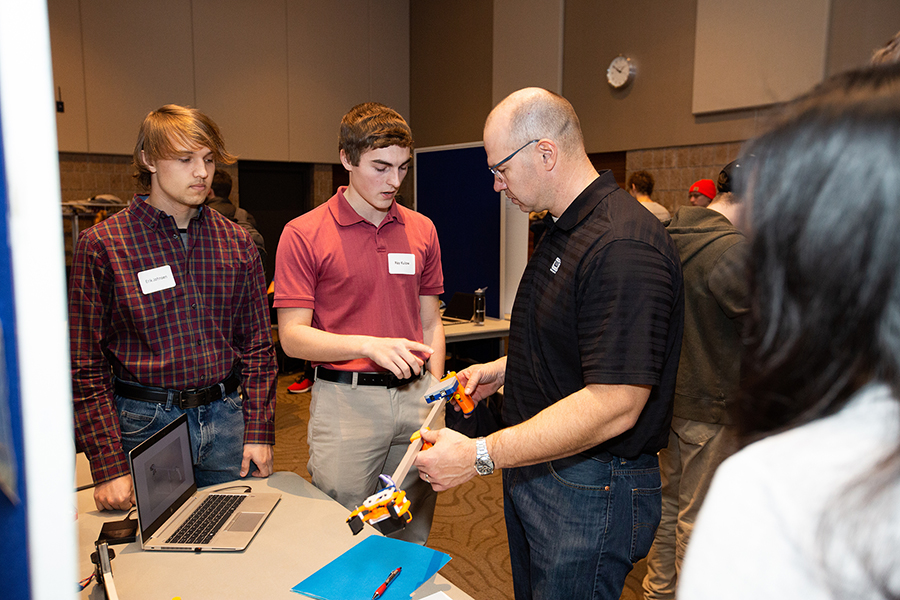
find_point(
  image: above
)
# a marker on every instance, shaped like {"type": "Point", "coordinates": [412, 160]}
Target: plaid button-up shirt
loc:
{"type": "Point", "coordinates": [214, 319]}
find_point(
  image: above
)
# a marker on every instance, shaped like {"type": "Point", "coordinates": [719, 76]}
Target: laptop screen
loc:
{"type": "Point", "coordinates": [460, 307]}
{"type": "Point", "coordinates": [163, 475]}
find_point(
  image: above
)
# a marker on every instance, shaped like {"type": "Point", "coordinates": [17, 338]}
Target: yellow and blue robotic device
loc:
{"type": "Point", "coordinates": [389, 506]}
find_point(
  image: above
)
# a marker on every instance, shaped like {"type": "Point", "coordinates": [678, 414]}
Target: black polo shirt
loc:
{"type": "Point", "coordinates": [601, 301]}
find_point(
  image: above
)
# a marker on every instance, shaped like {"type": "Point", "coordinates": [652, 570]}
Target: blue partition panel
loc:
{"type": "Point", "coordinates": [13, 527]}
{"type": "Point", "coordinates": [454, 188]}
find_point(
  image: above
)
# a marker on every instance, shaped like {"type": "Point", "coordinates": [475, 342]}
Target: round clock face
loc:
{"type": "Point", "coordinates": [620, 72]}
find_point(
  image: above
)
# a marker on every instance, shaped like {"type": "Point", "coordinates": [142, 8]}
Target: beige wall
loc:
{"type": "Point", "coordinates": [246, 96]}
{"type": "Point", "coordinates": [528, 45]}
{"type": "Point", "coordinates": [528, 51]}
{"type": "Point", "coordinates": [752, 54]}
{"type": "Point", "coordinates": [655, 111]}
{"type": "Point", "coordinates": [276, 75]}
{"type": "Point", "coordinates": [465, 53]}
{"type": "Point", "coordinates": [450, 70]}
{"type": "Point", "coordinates": [453, 74]}
{"type": "Point", "coordinates": [341, 54]}
{"type": "Point", "coordinates": [857, 28]}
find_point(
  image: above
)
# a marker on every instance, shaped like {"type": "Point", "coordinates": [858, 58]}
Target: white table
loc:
{"type": "Point", "coordinates": [304, 533]}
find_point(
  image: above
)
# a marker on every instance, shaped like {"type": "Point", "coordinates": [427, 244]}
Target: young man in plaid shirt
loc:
{"type": "Point", "coordinates": [168, 315]}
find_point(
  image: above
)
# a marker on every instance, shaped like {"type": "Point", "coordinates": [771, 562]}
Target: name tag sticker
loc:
{"type": "Point", "coordinates": [156, 280]}
{"type": "Point", "coordinates": [401, 264]}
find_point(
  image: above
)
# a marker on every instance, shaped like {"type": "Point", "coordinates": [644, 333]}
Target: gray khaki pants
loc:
{"type": "Point", "coordinates": [357, 433]}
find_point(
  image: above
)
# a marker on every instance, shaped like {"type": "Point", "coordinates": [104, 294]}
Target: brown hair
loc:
{"type": "Point", "coordinates": [170, 126]}
{"type": "Point", "coordinates": [369, 126]}
{"type": "Point", "coordinates": [642, 182]}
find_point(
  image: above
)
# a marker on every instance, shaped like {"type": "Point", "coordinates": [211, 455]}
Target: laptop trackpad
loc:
{"type": "Point", "coordinates": [246, 521]}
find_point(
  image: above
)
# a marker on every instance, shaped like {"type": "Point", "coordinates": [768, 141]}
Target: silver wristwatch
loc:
{"type": "Point", "coordinates": [483, 463]}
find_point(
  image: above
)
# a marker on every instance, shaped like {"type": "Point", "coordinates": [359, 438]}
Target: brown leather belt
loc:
{"type": "Point", "coordinates": [190, 398]}
{"type": "Point", "coordinates": [382, 379]}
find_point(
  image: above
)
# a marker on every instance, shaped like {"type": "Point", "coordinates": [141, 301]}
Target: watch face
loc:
{"type": "Point", "coordinates": [620, 72]}
{"type": "Point", "coordinates": [484, 468]}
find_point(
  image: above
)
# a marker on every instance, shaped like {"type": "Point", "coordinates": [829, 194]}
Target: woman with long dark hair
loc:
{"type": "Point", "coordinates": [810, 508]}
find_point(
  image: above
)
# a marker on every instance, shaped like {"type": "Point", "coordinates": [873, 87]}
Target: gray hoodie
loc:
{"type": "Point", "coordinates": [713, 256]}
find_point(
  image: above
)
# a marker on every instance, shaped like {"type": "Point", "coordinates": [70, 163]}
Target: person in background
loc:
{"type": "Point", "coordinates": [702, 192]}
{"type": "Point", "coordinates": [168, 316]}
{"type": "Point", "coordinates": [356, 288]}
{"type": "Point", "coordinates": [594, 341]}
{"type": "Point", "coordinates": [640, 186]}
{"type": "Point", "coordinates": [537, 225]}
{"type": "Point", "coordinates": [727, 204]}
{"type": "Point", "coordinates": [810, 507]}
{"type": "Point", "coordinates": [219, 199]}
{"type": "Point", "coordinates": [713, 254]}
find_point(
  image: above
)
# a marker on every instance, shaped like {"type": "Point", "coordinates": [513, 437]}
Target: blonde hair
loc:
{"type": "Point", "coordinates": [170, 126]}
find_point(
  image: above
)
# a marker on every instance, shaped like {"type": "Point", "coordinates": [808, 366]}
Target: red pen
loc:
{"type": "Point", "coordinates": [386, 583]}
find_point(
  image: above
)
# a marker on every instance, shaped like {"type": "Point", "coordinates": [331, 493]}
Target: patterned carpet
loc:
{"type": "Point", "coordinates": [468, 522]}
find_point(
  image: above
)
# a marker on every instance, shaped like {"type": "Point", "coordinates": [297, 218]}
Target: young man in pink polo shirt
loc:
{"type": "Point", "coordinates": [356, 287]}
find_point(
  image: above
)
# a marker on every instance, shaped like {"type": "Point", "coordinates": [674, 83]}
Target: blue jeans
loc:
{"type": "Point", "coordinates": [577, 525]}
{"type": "Point", "coordinates": [217, 433]}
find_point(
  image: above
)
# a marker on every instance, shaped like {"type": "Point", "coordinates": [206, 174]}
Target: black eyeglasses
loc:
{"type": "Point", "coordinates": [497, 173]}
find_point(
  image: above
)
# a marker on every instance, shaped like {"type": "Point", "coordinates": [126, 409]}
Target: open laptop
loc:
{"type": "Point", "coordinates": [460, 309]}
{"type": "Point", "coordinates": [167, 497]}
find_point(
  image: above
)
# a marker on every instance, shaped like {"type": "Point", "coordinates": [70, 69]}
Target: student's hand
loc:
{"type": "Point", "coordinates": [449, 462]}
{"type": "Point", "coordinates": [262, 456]}
{"type": "Point", "coordinates": [480, 381]}
{"type": "Point", "coordinates": [115, 494]}
{"type": "Point", "coordinates": [396, 355]}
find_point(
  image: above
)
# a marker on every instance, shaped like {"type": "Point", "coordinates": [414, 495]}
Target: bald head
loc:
{"type": "Point", "coordinates": [534, 114]}
{"type": "Point", "coordinates": [535, 147]}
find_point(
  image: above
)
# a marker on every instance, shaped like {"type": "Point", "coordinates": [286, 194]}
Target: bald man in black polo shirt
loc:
{"type": "Point", "coordinates": [595, 337]}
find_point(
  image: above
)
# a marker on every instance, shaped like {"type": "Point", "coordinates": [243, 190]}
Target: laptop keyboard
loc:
{"type": "Point", "coordinates": [206, 521]}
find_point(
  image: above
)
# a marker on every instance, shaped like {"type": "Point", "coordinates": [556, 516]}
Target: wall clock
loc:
{"type": "Point", "coordinates": [621, 72]}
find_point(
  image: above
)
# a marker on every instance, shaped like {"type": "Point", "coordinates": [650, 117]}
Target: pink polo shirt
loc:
{"type": "Point", "coordinates": [359, 279]}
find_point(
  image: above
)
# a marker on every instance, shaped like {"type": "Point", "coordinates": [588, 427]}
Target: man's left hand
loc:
{"type": "Point", "coordinates": [449, 462]}
{"type": "Point", "coordinates": [262, 455]}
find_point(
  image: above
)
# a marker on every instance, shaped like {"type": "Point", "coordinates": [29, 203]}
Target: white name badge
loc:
{"type": "Point", "coordinates": [155, 280]}
{"type": "Point", "coordinates": [401, 264]}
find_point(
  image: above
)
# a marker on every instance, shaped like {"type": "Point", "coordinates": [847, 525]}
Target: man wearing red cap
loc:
{"type": "Point", "coordinates": [702, 192]}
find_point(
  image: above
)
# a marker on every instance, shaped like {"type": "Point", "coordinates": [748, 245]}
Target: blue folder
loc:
{"type": "Point", "coordinates": [358, 572]}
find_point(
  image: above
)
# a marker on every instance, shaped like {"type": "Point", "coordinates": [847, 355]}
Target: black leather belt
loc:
{"type": "Point", "coordinates": [383, 379]}
{"type": "Point", "coordinates": [191, 398]}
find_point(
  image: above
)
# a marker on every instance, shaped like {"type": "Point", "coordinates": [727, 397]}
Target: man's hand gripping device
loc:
{"type": "Point", "coordinates": [389, 505]}
{"type": "Point", "coordinates": [449, 389]}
